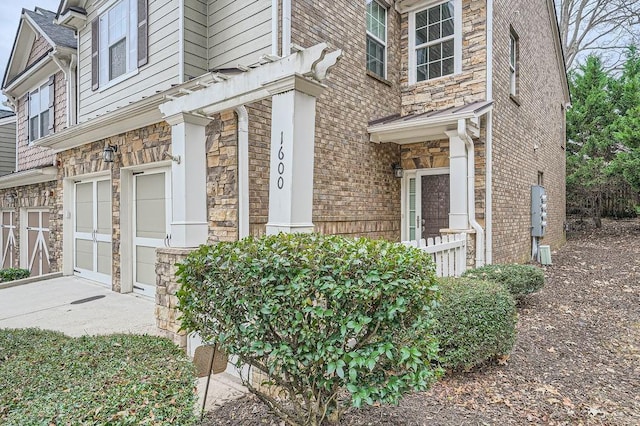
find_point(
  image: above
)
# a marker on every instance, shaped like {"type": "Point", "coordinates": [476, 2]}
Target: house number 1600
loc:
{"type": "Point", "coordinates": [281, 164]}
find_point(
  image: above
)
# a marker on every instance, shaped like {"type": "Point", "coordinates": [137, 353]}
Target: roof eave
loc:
{"type": "Point", "coordinates": [29, 177]}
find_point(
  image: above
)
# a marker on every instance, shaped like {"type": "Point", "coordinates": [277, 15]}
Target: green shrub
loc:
{"type": "Point", "coordinates": [475, 322]}
{"type": "Point", "coordinates": [520, 280]}
{"type": "Point", "coordinates": [49, 378]}
{"type": "Point", "coordinates": [12, 274]}
{"type": "Point", "coordinates": [319, 314]}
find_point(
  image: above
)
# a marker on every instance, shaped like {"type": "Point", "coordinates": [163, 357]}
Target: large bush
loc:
{"type": "Point", "coordinates": [475, 322]}
{"type": "Point", "coordinates": [47, 378]}
{"type": "Point", "coordinates": [318, 314]}
{"type": "Point", "coordinates": [520, 280]}
{"type": "Point", "coordinates": [12, 274]}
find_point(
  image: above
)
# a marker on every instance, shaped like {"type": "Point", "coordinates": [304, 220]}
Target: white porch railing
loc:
{"type": "Point", "coordinates": [449, 253]}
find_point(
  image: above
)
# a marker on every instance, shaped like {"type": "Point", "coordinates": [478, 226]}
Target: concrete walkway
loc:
{"type": "Point", "coordinates": [77, 307]}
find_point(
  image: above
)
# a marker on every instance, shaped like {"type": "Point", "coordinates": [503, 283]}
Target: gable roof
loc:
{"type": "Point", "coordinates": [33, 24]}
{"type": "Point", "coordinates": [5, 114]}
{"type": "Point", "coordinates": [56, 34]}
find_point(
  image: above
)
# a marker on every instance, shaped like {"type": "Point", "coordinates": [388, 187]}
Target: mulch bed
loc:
{"type": "Point", "coordinates": [576, 360]}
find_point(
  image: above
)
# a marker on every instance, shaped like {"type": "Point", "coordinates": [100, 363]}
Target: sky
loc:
{"type": "Point", "coordinates": [9, 19]}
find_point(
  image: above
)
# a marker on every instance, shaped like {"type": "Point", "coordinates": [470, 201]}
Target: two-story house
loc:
{"type": "Point", "coordinates": [195, 121]}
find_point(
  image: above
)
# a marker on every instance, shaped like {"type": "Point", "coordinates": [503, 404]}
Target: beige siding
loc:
{"type": "Point", "coordinates": [160, 73]}
{"type": "Point", "coordinates": [239, 32]}
{"type": "Point", "coordinates": [40, 47]}
{"type": "Point", "coordinates": [195, 38]}
{"type": "Point", "coordinates": [7, 148]}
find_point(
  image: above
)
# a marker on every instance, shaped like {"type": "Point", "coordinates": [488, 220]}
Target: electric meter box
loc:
{"type": "Point", "coordinates": [538, 211]}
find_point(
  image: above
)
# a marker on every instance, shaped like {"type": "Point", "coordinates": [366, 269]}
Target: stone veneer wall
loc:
{"type": "Point", "coordinates": [534, 119]}
{"type": "Point", "coordinates": [135, 148]}
{"type": "Point", "coordinates": [166, 311]}
{"type": "Point", "coordinates": [42, 195]}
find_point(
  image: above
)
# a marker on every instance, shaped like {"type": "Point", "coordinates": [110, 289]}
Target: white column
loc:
{"type": "Point", "coordinates": [458, 215]}
{"type": "Point", "coordinates": [189, 224]}
{"type": "Point", "coordinates": [293, 119]}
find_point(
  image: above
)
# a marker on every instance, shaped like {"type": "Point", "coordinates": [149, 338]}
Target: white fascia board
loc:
{"type": "Point", "coordinates": [37, 73]}
{"type": "Point", "coordinates": [72, 19]}
{"type": "Point", "coordinates": [427, 128]}
{"type": "Point", "coordinates": [404, 6]}
{"type": "Point", "coordinates": [7, 120]}
{"type": "Point", "coordinates": [39, 30]}
{"type": "Point", "coordinates": [29, 177]}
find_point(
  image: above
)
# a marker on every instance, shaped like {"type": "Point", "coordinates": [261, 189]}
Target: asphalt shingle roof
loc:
{"type": "Point", "coordinates": [5, 114]}
{"type": "Point", "coordinates": [61, 36]}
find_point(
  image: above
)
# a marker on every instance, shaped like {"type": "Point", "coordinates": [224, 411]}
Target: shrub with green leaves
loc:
{"type": "Point", "coordinates": [12, 274]}
{"type": "Point", "coordinates": [520, 280]}
{"type": "Point", "coordinates": [475, 322]}
{"type": "Point", "coordinates": [320, 315]}
{"type": "Point", "coordinates": [49, 378]}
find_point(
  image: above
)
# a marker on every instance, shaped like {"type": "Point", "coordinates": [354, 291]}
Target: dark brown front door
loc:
{"type": "Point", "coordinates": [435, 204]}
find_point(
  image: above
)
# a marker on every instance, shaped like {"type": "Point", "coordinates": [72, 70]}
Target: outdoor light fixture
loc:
{"type": "Point", "coordinates": [397, 170]}
{"type": "Point", "coordinates": [10, 197]}
{"type": "Point", "coordinates": [109, 153]}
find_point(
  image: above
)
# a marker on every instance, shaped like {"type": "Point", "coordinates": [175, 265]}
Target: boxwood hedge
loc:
{"type": "Point", "coordinates": [520, 280]}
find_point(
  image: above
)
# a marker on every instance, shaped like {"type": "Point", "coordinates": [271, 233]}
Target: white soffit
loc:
{"type": "Point", "coordinates": [28, 177]}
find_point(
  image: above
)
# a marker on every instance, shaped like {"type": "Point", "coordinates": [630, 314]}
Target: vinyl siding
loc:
{"type": "Point", "coordinates": [195, 38]}
{"type": "Point", "coordinates": [239, 32]}
{"type": "Point", "coordinates": [159, 74]}
{"type": "Point", "coordinates": [7, 148]}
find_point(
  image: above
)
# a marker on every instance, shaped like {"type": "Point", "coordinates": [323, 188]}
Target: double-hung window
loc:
{"type": "Point", "coordinates": [376, 38]}
{"type": "Point", "coordinates": [39, 112]}
{"type": "Point", "coordinates": [118, 41]}
{"type": "Point", "coordinates": [513, 64]}
{"type": "Point", "coordinates": [435, 41]}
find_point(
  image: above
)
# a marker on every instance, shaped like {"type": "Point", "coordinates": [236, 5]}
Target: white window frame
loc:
{"type": "Point", "coordinates": [513, 63]}
{"type": "Point", "coordinates": [43, 110]}
{"type": "Point", "coordinates": [382, 42]}
{"type": "Point", "coordinates": [131, 48]}
{"type": "Point", "coordinates": [457, 40]}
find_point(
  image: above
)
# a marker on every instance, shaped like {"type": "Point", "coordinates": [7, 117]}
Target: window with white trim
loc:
{"type": "Point", "coordinates": [513, 63]}
{"type": "Point", "coordinates": [39, 112]}
{"type": "Point", "coordinates": [118, 40]}
{"type": "Point", "coordinates": [376, 38]}
{"type": "Point", "coordinates": [435, 41]}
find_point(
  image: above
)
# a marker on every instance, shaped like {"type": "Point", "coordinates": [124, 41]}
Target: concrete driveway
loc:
{"type": "Point", "coordinates": [75, 307]}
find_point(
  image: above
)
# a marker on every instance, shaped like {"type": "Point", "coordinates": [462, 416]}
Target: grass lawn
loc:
{"type": "Point", "coordinates": [48, 378]}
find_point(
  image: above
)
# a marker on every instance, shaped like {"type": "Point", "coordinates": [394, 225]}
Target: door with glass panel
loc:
{"type": "Point", "coordinates": [8, 234]}
{"type": "Point", "coordinates": [92, 230]}
{"type": "Point", "coordinates": [427, 212]}
{"type": "Point", "coordinates": [151, 224]}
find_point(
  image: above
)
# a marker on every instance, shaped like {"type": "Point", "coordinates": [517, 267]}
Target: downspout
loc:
{"type": "Point", "coordinates": [274, 27]}
{"type": "Point", "coordinates": [471, 188]}
{"type": "Point", "coordinates": [243, 172]}
{"type": "Point", "coordinates": [489, 141]}
{"type": "Point", "coordinates": [286, 28]}
{"type": "Point", "coordinates": [72, 107]}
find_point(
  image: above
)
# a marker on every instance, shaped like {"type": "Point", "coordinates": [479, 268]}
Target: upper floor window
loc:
{"type": "Point", "coordinates": [435, 38]}
{"type": "Point", "coordinates": [118, 41]}
{"type": "Point", "coordinates": [513, 63]}
{"type": "Point", "coordinates": [376, 38]}
{"type": "Point", "coordinates": [40, 111]}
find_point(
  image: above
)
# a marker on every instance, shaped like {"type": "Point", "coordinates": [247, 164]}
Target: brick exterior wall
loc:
{"type": "Point", "coordinates": [355, 192]}
{"type": "Point", "coordinates": [39, 48]}
{"type": "Point", "coordinates": [538, 120]}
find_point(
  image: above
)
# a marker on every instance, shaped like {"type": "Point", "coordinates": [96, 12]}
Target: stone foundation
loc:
{"type": "Point", "coordinates": [166, 312]}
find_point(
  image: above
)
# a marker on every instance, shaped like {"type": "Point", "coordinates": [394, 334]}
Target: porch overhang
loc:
{"type": "Point", "coordinates": [29, 177]}
{"type": "Point", "coordinates": [427, 126]}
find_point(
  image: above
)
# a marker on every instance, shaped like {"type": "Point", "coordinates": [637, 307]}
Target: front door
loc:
{"type": "Point", "coordinates": [8, 229]}
{"type": "Point", "coordinates": [37, 232]}
{"type": "Point", "coordinates": [152, 219]}
{"type": "Point", "coordinates": [427, 211]}
{"type": "Point", "coordinates": [92, 230]}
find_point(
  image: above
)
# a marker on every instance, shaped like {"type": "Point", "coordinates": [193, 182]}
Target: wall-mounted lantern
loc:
{"type": "Point", "coordinates": [109, 153]}
{"type": "Point", "coordinates": [397, 170]}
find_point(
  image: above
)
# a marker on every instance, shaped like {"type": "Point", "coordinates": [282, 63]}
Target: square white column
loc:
{"type": "Point", "coordinates": [189, 224]}
{"type": "Point", "coordinates": [458, 207]}
{"type": "Point", "coordinates": [293, 119]}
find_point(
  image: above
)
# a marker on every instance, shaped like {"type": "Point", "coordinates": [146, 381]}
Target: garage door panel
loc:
{"type": "Point", "coordinates": [104, 257]}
